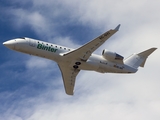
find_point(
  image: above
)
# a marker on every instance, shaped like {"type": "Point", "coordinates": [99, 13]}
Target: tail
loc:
{"type": "Point", "coordinates": [137, 60]}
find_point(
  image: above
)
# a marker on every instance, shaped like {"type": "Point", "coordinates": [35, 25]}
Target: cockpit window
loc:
{"type": "Point", "coordinates": [22, 37]}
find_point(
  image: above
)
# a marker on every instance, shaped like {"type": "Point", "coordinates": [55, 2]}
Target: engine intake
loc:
{"type": "Point", "coordinates": [108, 55]}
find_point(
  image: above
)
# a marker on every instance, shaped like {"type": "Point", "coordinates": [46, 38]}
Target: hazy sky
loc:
{"type": "Point", "coordinates": [31, 88]}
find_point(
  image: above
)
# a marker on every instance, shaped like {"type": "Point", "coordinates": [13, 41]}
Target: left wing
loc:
{"type": "Point", "coordinates": [69, 75]}
{"type": "Point", "coordinates": [85, 51]}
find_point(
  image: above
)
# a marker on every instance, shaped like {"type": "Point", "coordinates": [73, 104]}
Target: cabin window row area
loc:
{"type": "Point", "coordinates": [54, 46]}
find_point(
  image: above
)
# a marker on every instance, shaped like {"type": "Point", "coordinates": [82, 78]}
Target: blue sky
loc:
{"type": "Point", "coordinates": [31, 88]}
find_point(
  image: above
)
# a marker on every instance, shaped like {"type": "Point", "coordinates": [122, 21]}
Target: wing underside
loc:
{"type": "Point", "coordinates": [85, 51]}
{"type": "Point", "coordinates": [69, 76]}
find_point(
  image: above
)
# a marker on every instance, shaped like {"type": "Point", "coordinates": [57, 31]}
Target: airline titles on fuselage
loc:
{"type": "Point", "coordinates": [47, 48]}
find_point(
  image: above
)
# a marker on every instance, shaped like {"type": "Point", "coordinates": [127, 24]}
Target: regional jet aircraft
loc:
{"type": "Point", "coordinates": [71, 61]}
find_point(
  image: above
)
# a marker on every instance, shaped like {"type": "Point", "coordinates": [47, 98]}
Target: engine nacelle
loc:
{"type": "Point", "coordinates": [108, 55]}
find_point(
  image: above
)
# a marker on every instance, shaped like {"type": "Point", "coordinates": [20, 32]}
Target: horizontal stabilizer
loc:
{"type": "Point", "coordinates": [145, 54]}
{"type": "Point", "coordinates": [137, 60]}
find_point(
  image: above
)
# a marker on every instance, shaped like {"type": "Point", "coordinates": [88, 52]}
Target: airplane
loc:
{"type": "Point", "coordinates": [72, 61]}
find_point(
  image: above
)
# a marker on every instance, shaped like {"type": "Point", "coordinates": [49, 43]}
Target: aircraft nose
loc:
{"type": "Point", "coordinates": [9, 44]}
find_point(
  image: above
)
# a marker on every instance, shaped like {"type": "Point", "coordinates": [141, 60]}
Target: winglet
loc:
{"type": "Point", "coordinates": [117, 28]}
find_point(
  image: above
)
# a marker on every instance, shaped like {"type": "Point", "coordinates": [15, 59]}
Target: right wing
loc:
{"type": "Point", "coordinates": [85, 51]}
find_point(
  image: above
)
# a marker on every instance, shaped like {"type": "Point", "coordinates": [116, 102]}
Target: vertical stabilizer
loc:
{"type": "Point", "coordinates": [137, 60]}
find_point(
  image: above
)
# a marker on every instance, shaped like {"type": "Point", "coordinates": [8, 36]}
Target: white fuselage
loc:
{"type": "Point", "coordinates": [54, 52]}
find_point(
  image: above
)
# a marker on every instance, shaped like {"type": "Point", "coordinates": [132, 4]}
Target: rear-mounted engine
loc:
{"type": "Point", "coordinates": [108, 55]}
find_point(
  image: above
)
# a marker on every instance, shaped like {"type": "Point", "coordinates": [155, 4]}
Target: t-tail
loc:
{"type": "Point", "coordinates": [136, 60]}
